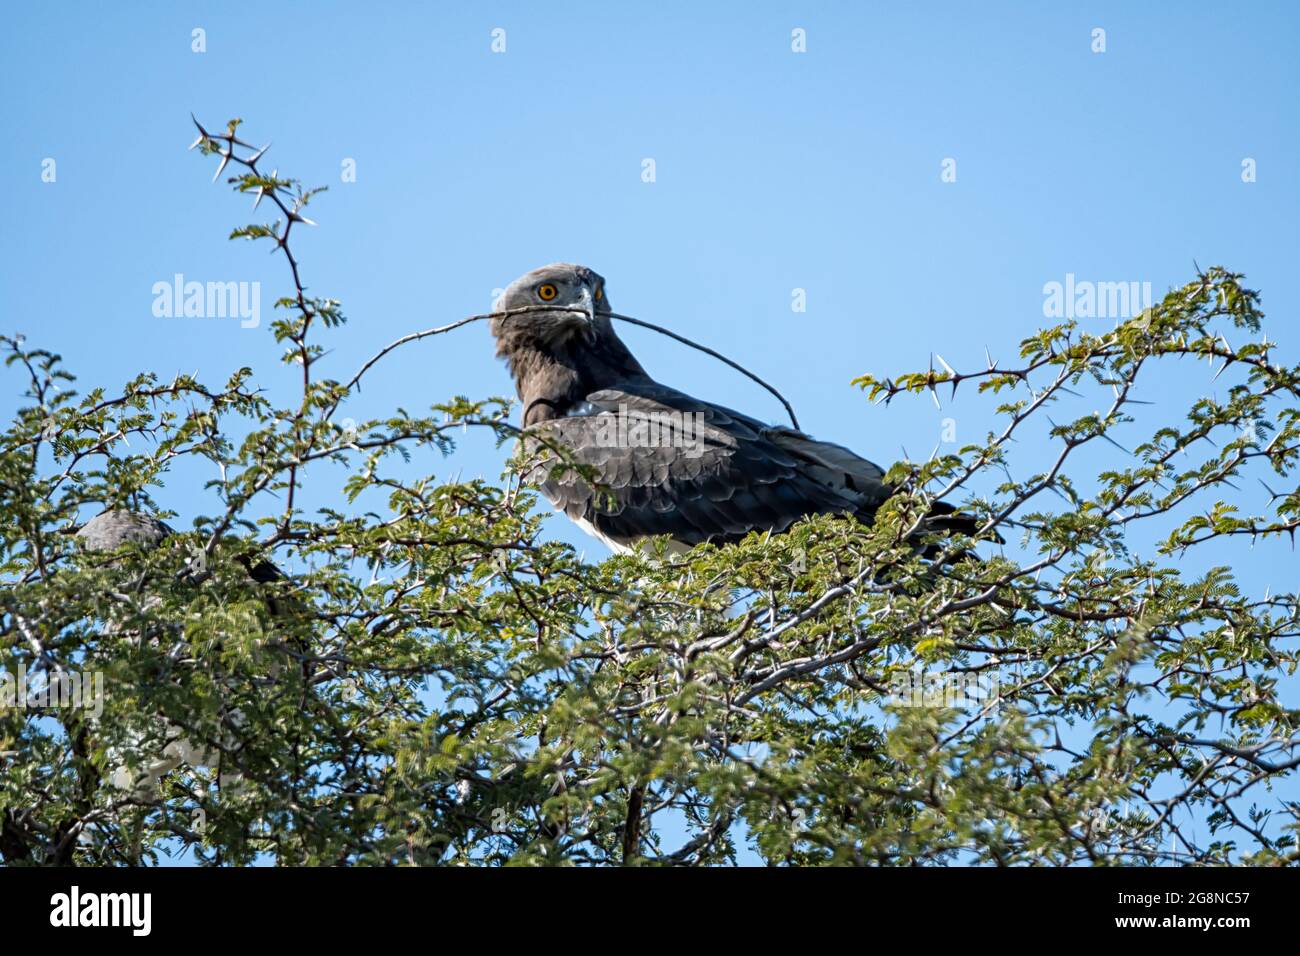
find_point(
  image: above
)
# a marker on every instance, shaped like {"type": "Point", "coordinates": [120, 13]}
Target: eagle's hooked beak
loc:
{"type": "Point", "coordinates": [587, 305]}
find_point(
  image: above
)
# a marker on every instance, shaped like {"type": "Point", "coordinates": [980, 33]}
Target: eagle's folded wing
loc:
{"type": "Point", "coordinates": [666, 463]}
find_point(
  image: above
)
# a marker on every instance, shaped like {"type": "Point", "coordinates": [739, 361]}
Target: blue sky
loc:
{"type": "Point", "coordinates": [775, 170]}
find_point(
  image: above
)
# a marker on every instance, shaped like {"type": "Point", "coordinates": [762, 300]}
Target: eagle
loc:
{"type": "Point", "coordinates": [654, 460]}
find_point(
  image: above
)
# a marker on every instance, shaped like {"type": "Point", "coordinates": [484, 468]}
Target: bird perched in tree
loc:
{"type": "Point", "coordinates": [114, 527]}
{"type": "Point", "coordinates": [664, 463]}
{"type": "Point", "coordinates": [146, 753]}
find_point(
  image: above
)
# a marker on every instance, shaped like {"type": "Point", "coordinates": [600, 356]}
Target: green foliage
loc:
{"type": "Point", "coordinates": [435, 682]}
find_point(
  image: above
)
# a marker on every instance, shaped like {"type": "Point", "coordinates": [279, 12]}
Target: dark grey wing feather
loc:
{"type": "Point", "coordinates": [701, 473]}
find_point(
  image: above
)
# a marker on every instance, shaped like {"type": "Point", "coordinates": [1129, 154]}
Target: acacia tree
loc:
{"type": "Point", "coordinates": [432, 681]}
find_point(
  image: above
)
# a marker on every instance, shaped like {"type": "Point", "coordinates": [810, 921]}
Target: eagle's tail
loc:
{"type": "Point", "coordinates": [945, 517]}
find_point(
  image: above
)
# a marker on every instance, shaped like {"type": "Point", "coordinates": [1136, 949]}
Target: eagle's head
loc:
{"type": "Point", "coordinates": [562, 302]}
{"type": "Point", "coordinates": [559, 340]}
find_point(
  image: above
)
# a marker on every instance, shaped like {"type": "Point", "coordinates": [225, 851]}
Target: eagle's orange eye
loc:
{"type": "Point", "coordinates": [600, 292]}
{"type": "Point", "coordinates": [546, 292]}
